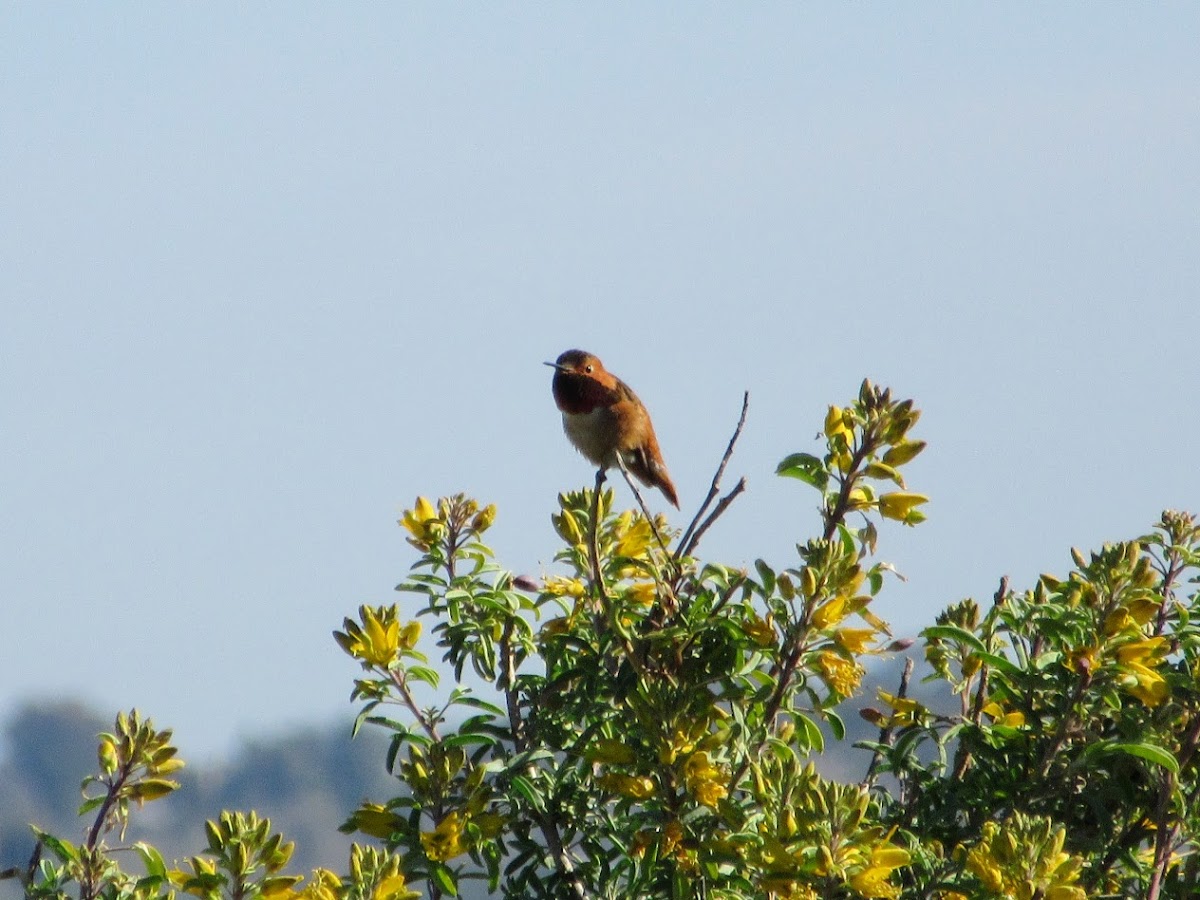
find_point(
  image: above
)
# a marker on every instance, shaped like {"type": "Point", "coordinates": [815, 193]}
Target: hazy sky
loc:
{"type": "Point", "coordinates": [270, 271]}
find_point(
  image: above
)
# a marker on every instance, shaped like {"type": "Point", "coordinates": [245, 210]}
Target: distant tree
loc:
{"type": "Point", "coordinates": [47, 745]}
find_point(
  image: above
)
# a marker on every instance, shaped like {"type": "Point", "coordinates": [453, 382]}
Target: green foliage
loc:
{"type": "Point", "coordinates": [1080, 704]}
{"type": "Point", "coordinates": [644, 723]}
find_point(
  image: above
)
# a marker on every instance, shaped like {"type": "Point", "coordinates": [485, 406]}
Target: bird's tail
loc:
{"type": "Point", "coordinates": [652, 474]}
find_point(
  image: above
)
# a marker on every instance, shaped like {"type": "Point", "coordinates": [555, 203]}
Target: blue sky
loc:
{"type": "Point", "coordinates": [271, 271]}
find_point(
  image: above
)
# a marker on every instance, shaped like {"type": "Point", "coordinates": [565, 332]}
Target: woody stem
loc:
{"type": "Point", "coordinates": [594, 536]}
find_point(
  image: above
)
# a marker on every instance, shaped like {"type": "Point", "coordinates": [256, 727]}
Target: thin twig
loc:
{"type": "Point", "coordinates": [594, 536]}
{"type": "Point", "coordinates": [662, 545]}
{"type": "Point", "coordinates": [717, 511]}
{"type": "Point", "coordinates": [888, 731]}
{"type": "Point", "coordinates": [688, 542]}
{"type": "Point", "coordinates": [406, 695]}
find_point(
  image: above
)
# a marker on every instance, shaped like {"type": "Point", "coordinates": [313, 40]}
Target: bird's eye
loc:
{"type": "Point", "coordinates": [588, 369]}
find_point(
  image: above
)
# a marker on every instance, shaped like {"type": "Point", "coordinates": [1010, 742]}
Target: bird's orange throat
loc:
{"type": "Point", "coordinates": [579, 394]}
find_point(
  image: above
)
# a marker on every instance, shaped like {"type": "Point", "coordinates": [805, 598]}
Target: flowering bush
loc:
{"type": "Point", "coordinates": [648, 720]}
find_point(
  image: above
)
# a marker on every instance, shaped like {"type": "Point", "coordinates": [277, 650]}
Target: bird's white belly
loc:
{"type": "Point", "coordinates": [588, 431]}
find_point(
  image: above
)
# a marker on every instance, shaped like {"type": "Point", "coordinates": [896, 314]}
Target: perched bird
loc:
{"type": "Point", "coordinates": [602, 417]}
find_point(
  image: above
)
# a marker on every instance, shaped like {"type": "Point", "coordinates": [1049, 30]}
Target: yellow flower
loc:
{"type": "Point", "coordinates": [1023, 858]}
{"type": "Point", "coordinates": [1150, 650]}
{"type": "Point", "coordinates": [678, 744]}
{"type": "Point", "coordinates": [379, 641]}
{"type": "Point", "coordinates": [835, 424]}
{"type": "Point", "coordinates": [375, 820]}
{"type": "Point", "coordinates": [393, 887]}
{"type": "Point", "coordinates": [906, 711]}
{"type": "Point", "coordinates": [641, 593]}
{"type": "Point", "coordinates": [1117, 621]}
{"type": "Point", "coordinates": [902, 506]}
{"type": "Point", "coordinates": [1138, 661]}
{"type": "Point", "coordinates": [445, 841]}
{"type": "Point", "coordinates": [859, 497]}
{"type": "Point", "coordinates": [1145, 684]}
{"type": "Point", "coordinates": [324, 885]}
{"type": "Point", "coordinates": [202, 871]}
{"type": "Point", "coordinates": [902, 451]}
{"type": "Point", "coordinates": [1065, 892]}
{"type": "Point", "coordinates": [760, 630]}
{"type": "Point", "coordinates": [484, 518]}
{"type": "Point", "coordinates": [672, 838]}
{"type": "Point", "coordinates": [698, 766]}
{"type": "Point", "coordinates": [634, 539]}
{"type": "Point", "coordinates": [1000, 717]}
{"type": "Point", "coordinates": [610, 751]}
{"type": "Point", "coordinates": [1081, 659]}
{"type": "Point", "coordinates": [704, 780]}
{"type": "Point", "coordinates": [567, 526]}
{"type": "Point", "coordinates": [1143, 609]}
{"type": "Point", "coordinates": [410, 634]}
{"type": "Point", "coordinates": [786, 887]}
{"type": "Point", "coordinates": [829, 613]}
{"type": "Point", "coordinates": [423, 523]}
{"type": "Point", "coordinates": [558, 586]}
{"type": "Point", "coordinates": [874, 879]}
{"type": "Point", "coordinates": [854, 640]}
{"type": "Point", "coordinates": [842, 675]}
{"type": "Point", "coordinates": [634, 786]}
{"type": "Point", "coordinates": [986, 868]}
{"type": "Point", "coordinates": [709, 793]}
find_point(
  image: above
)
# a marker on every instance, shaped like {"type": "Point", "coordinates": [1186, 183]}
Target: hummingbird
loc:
{"type": "Point", "coordinates": [602, 416]}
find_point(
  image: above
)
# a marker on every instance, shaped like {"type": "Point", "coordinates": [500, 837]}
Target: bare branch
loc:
{"type": "Point", "coordinates": [691, 536]}
{"type": "Point", "coordinates": [716, 513]}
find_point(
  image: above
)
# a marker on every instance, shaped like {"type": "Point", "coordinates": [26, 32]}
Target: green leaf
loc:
{"type": "Point", "coordinates": [806, 468]}
{"type": "Point", "coordinates": [480, 704]}
{"type": "Point", "coordinates": [1000, 663]}
{"type": "Point", "coordinates": [882, 471]}
{"type": "Point", "coordinates": [1160, 756]}
{"type": "Point", "coordinates": [423, 673]}
{"type": "Point", "coordinates": [152, 789]}
{"type": "Point", "coordinates": [151, 859]}
{"type": "Point", "coordinates": [836, 725]}
{"type": "Point", "coordinates": [954, 633]}
{"type": "Point", "coordinates": [767, 575]}
{"type": "Point", "coordinates": [64, 850]}
{"type": "Point", "coordinates": [445, 878]}
{"type": "Point", "coordinates": [808, 734]}
{"type": "Point", "coordinates": [523, 787]}
{"type": "Point", "coordinates": [463, 740]}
